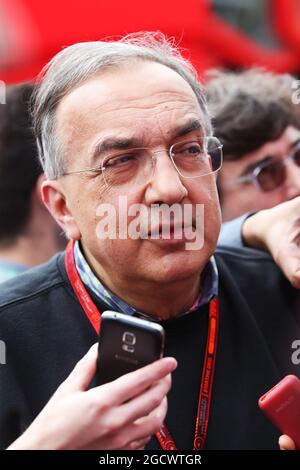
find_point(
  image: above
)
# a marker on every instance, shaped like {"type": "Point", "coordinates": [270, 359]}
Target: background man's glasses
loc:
{"type": "Point", "coordinates": [269, 175]}
{"type": "Point", "coordinates": [191, 159]}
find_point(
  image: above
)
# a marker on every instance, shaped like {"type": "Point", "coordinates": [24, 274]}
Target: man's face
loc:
{"type": "Point", "coordinates": [240, 198]}
{"type": "Point", "coordinates": [146, 105]}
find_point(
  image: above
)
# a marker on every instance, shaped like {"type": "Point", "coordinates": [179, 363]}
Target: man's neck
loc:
{"type": "Point", "coordinates": [169, 302]}
{"type": "Point", "coordinates": [163, 302]}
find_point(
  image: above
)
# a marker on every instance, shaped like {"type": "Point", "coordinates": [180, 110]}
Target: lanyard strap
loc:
{"type": "Point", "coordinates": [164, 437]}
{"type": "Point", "coordinates": [82, 295]}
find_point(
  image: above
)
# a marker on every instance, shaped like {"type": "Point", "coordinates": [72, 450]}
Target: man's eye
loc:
{"type": "Point", "coordinates": [119, 160]}
{"type": "Point", "coordinates": [190, 149]}
{"type": "Point", "coordinates": [194, 149]}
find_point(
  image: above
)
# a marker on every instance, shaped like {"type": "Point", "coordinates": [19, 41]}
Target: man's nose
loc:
{"type": "Point", "coordinates": [165, 185]}
{"type": "Point", "coordinates": [292, 180]}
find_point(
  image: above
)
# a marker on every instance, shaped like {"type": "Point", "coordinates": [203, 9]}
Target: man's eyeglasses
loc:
{"type": "Point", "coordinates": [271, 174]}
{"type": "Point", "coordinates": [191, 159]}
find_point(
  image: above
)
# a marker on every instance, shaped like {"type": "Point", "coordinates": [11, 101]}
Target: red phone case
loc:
{"type": "Point", "coordinates": [282, 406]}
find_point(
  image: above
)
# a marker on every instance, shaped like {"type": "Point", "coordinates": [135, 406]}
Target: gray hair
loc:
{"type": "Point", "coordinates": [77, 63]}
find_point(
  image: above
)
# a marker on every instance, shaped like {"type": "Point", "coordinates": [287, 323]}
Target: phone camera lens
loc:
{"type": "Point", "coordinates": [129, 338]}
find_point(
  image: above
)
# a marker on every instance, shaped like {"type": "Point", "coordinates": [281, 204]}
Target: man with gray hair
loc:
{"type": "Point", "coordinates": [119, 121]}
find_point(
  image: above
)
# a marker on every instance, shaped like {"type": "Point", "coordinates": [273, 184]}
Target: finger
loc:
{"type": "Point", "coordinates": [82, 374]}
{"type": "Point", "coordinates": [292, 272]}
{"type": "Point", "coordinates": [138, 445]}
{"type": "Point", "coordinates": [291, 268]}
{"type": "Point", "coordinates": [138, 431]}
{"type": "Point", "coordinates": [286, 443]}
{"type": "Point", "coordinates": [145, 403]}
{"type": "Point", "coordinates": [133, 384]}
{"type": "Point", "coordinates": [108, 445]}
{"type": "Point", "coordinates": [148, 425]}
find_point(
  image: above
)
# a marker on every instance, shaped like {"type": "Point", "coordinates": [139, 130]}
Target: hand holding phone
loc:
{"type": "Point", "coordinates": [282, 406]}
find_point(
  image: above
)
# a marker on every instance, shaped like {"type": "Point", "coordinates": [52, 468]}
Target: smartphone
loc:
{"type": "Point", "coordinates": [126, 343]}
{"type": "Point", "coordinates": [281, 405]}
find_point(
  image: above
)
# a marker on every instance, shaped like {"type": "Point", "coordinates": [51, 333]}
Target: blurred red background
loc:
{"type": "Point", "coordinates": [230, 33]}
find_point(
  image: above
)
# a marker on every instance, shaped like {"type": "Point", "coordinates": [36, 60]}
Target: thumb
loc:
{"type": "Point", "coordinates": [82, 374]}
{"type": "Point", "coordinates": [286, 443]}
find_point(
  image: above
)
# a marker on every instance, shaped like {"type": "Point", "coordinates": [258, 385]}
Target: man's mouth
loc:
{"type": "Point", "coordinates": [172, 232]}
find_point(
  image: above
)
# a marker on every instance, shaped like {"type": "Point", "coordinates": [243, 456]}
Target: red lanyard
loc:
{"type": "Point", "coordinates": [164, 437]}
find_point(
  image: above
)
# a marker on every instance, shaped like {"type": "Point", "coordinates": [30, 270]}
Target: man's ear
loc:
{"type": "Point", "coordinates": [54, 199]}
{"type": "Point", "coordinates": [38, 189]}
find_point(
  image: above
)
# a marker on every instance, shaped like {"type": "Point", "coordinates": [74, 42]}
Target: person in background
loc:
{"type": "Point", "coordinates": [28, 234]}
{"type": "Point", "coordinates": [259, 127]}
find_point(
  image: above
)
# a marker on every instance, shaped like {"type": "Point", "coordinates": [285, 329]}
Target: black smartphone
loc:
{"type": "Point", "coordinates": [126, 343]}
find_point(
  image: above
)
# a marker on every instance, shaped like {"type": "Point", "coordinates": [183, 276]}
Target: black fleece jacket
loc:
{"type": "Point", "coordinates": [46, 332]}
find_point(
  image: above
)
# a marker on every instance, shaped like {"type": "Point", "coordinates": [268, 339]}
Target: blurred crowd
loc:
{"type": "Point", "coordinates": [28, 233]}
